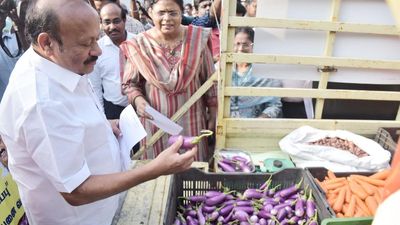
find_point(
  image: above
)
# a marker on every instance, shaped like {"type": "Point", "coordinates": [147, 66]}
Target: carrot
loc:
{"type": "Point", "coordinates": [359, 212]}
{"type": "Point", "coordinates": [333, 186]}
{"type": "Point", "coordinates": [335, 180]}
{"type": "Point", "coordinates": [330, 174]}
{"type": "Point", "coordinates": [351, 209]}
{"type": "Point", "coordinates": [377, 198]}
{"type": "Point", "coordinates": [369, 188]}
{"type": "Point", "coordinates": [347, 198]}
{"type": "Point", "coordinates": [331, 199]}
{"type": "Point", "coordinates": [376, 182]}
{"type": "Point", "coordinates": [340, 215]}
{"type": "Point", "coordinates": [371, 204]}
{"type": "Point", "coordinates": [321, 184]}
{"type": "Point", "coordinates": [381, 175]}
{"type": "Point", "coordinates": [337, 206]}
{"type": "Point", "coordinates": [362, 206]}
{"type": "Point", "coordinates": [357, 189]}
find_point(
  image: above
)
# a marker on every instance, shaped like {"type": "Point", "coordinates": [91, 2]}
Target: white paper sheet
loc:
{"type": "Point", "coordinates": [132, 132]}
{"type": "Point", "coordinates": [163, 122]}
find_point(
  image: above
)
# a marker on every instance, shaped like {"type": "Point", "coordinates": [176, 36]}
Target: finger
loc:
{"type": "Point", "coordinates": [191, 154]}
{"type": "Point", "coordinates": [177, 145]}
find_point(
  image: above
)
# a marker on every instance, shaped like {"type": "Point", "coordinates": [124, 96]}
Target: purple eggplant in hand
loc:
{"type": "Point", "coordinates": [189, 142]}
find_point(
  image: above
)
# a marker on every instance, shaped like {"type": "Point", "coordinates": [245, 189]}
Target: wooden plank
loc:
{"type": "Point", "coordinates": [313, 93]}
{"type": "Point", "coordinates": [315, 25]}
{"type": "Point", "coordinates": [319, 61]}
{"type": "Point", "coordinates": [330, 40]}
{"type": "Point", "coordinates": [395, 8]}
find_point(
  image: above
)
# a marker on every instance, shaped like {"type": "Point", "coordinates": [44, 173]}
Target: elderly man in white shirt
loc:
{"type": "Point", "coordinates": [63, 153]}
{"type": "Point", "coordinates": [106, 76]}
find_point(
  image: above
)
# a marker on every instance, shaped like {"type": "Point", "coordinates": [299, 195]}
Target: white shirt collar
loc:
{"type": "Point", "coordinates": [108, 41]}
{"type": "Point", "coordinates": [63, 76]}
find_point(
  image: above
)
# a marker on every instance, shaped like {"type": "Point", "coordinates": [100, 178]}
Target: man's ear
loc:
{"type": "Point", "coordinates": [150, 12]}
{"type": "Point", "coordinates": [45, 43]}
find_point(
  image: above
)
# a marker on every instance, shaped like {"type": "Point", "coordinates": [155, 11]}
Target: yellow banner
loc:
{"type": "Point", "coordinates": [11, 210]}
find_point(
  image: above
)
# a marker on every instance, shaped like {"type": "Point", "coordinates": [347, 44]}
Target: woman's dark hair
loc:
{"type": "Point", "coordinates": [43, 20]}
{"type": "Point", "coordinates": [240, 9]}
{"type": "Point", "coordinates": [247, 30]}
{"type": "Point", "coordinates": [179, 2]}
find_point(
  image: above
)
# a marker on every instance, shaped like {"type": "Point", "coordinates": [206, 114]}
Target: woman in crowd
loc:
{"type": "Point", "coordinates": [165, 66]}
{"type": "Point", "coordinates": [250, 106]}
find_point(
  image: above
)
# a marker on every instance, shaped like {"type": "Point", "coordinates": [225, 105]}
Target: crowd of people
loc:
{"type": "Point", "coordinates": [78, 64]}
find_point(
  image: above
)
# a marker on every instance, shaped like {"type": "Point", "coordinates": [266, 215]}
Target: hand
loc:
{"type": "Point", "coordinates": [170, 161]}
{"type": "Point", "coordinates": [141, 104]}
{"type": "Point", "coordinates": [115, 127]}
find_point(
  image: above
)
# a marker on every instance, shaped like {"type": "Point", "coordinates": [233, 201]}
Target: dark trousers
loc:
{"type": "Point", "coordinates": [112, 112]}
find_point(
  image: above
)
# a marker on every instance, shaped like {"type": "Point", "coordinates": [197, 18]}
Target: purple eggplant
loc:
{"type": "Point", "coordinates": [241, 215]}
{"type": "Point", "coordinates": [285, 193]}
{"type": "Point", "coordinates": [226, 210]}
{"type": "Point", "coordinates": [228, 218]}
{"type": "Point", "coordinates": [264, 214]}
{"type": "Point", "coordinates": [213, 216]}
{"type": "Point", "coordinates": [247, 209]}
{"type": "Point", "coordinates": [299, 207]}
{"type": "Point", "coordinates": [190, 212]}
{"type": "Point", "coordinates": [197, 198]}
{"type": "Point", "coordinates": [310, 206]}
{"type": "Point", "coordinates": [254, 219]}
{"type": "Point", "coordinates": [252, 194]}
{"type": "Point", "coordinates": [210, 194]}
{"type": "Point", "coordinates": [209, 209]}
{"type": "Point", "coordinates": [294, 220]}
{"type": "Point", "coordinates": [240, 158]}
{"type": "Point", "coordinates": [177, 221]}
{"type": "Point", "coordinates": [271, 192]}
{"type": "Point", "coordinates": [244, 167]}
{"type": "Point", "coordinates": [265, 185]}
{"type": "Point", "coordinates": [267, 208]}
{"type": "Point", "coordinates": [282, 213]}
{"type": "Point", "coordinates": [191, 221]}
{"type": "Point", "coordinates": [200, 216]}
{"type": "Point", "coordinates": [189, 142]}
{"type": "Point", "coordinates": [215, 200]}
{"type": "Point", "coordinates": [225, 167]}
{"type": "Point", "coordinates": [262, 221]}
{"type": "Point", "coordinates": [243, 203]}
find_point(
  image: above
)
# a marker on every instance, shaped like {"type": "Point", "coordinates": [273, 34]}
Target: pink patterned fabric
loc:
{"type": "Point", "coordinates": [148, 73]}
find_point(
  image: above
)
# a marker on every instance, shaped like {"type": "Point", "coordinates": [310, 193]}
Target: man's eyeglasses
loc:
{"type": "Point", "coordinates": [244, 45]}
{"type": "Point", "coordinates": [172, 14]}
{"type": "Point", "coordinates": [115, 21]}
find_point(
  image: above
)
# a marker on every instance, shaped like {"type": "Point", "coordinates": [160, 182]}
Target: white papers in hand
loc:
{"type": "Point", "coordinates": [132, 132]}
{"type": "Point", "coordinates": [163, 122]}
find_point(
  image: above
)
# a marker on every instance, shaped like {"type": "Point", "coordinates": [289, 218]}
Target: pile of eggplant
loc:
{"type": "Point", "coordinates": [235, 164]}
{"type": "Point", "coordinates": [263, 206]}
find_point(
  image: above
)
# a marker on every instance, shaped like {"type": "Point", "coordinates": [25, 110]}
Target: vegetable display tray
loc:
{"type": "Point", "coordinates": [320, 173]}
{"type": "Point", "coordinates": [348, 221]}
{"type": "Point", "coordinates": [387, 137]}
{"type": "Point", "coordinates": [196, 182]}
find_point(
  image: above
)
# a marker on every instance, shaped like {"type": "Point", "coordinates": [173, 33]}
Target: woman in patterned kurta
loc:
{"type": "Point", "coordinates": [165, 66]}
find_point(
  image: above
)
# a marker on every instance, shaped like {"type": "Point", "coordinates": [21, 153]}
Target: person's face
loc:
{"type": "Point", "coordinates": [166, 16]}
{"type": "Point", "coordinates": [252, 8]}
{"type": "Point", "coordinates": [204, 8]}
{"type": "Point", "coordinates": [3, 154]}
{"type": "Point", "coordinates": [188, 10]}
{"type": "Point", "coordinates": [112, 23]}
{"type": "Point", "coordinates": [242, 43]}
{"type": "Point", "coordinates": [79, 50]}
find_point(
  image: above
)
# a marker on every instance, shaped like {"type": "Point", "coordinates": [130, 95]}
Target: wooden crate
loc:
{"type": "Point", "coordinates": [260, 135]}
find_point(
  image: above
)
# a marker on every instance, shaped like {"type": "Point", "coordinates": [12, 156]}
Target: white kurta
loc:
{"type": "Point", "coordinates": [57, 137]}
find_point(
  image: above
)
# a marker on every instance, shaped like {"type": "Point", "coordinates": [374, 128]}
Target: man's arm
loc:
{"type": "Point", "coordinates": [98, 187]}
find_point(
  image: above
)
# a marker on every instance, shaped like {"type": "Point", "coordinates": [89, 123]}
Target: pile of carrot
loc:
{"type": "Point", "coordinates": [355, 195]}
